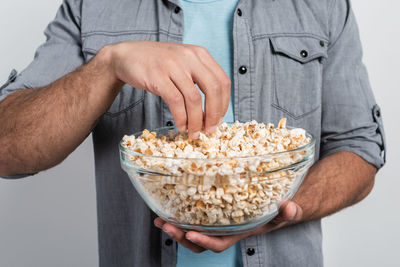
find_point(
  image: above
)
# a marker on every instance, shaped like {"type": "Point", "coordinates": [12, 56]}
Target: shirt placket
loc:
{"type": "Point", "coordinates": [243, 101]}
{"type": "Point", "coordinates": [168, 251]}
{"type": "Point", "coordinates": [252, 252]}
{"type": "Point", "coordinates": [242, 67]}
{"type": "Point", "coordinates": [172, 16]}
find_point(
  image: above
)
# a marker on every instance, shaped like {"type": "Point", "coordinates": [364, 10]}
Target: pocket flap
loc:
{"type": "Point", "coordinates": [94, 41]}
{"type": "Point", "coordinates": [300, 48]}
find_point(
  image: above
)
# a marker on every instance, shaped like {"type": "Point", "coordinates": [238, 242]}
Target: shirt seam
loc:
{"type": "Point", "coordinates": [345, 25]}
{"type": "Point", "coordinates": [330, 8]}
{"type": "Point", "coordinates": [258, 238]}
{"type": "Point", "coordinates": [287, 34]}
{"type": "Point", "coordinates": [163, 103]}
{"type": "Point", "coordinates": [116, 114]}
{"type": "Point", "coordinates": [250, 70]}
{"type": "Point", "coordinates": [352, 147]}
{"type": "Point", "coordinates": [294, 116]}
{"type": "Point", "coordinates": [119, 33]}
{"type": "Point", "coordinates": [236, 107]}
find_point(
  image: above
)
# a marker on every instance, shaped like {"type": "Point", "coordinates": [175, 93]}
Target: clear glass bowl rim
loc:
{"type": "Point", "coordinates": [133, 153]}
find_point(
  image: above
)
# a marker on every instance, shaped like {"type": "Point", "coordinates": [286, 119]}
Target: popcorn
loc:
{"type": "Point", "coordinates": [222, 178]}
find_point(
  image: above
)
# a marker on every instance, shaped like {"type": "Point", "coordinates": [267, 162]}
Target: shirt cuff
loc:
{"type": "Point", "coordinates": [17, 176]}
{"type": "Point", "coordinates": [369, 151]}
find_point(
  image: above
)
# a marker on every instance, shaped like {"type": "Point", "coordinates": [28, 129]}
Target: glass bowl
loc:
{"type": "Point", "coordinates": [219, 202]}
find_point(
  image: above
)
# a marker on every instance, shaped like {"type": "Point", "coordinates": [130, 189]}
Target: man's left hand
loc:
{"type": "Point", "coordinates": [290, 213]}
{"type": "Point", "coordinates": [333, 183]}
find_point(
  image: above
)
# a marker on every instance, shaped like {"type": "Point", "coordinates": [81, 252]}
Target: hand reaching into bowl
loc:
{"type": "Point", "coordinates": [171, 71]}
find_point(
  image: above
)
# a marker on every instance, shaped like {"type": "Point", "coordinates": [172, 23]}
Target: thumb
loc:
{"type": "Point", "coordinates": [289, 212]}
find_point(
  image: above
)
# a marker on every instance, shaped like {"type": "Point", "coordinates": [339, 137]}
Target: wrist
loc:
{"type": "Point", "coordinates": [105, 59]}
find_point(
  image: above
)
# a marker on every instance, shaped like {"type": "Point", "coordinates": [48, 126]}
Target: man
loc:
{"type": "Point", "coordinates": [117, 67]}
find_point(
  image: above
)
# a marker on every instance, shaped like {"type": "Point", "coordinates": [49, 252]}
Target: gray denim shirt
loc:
{"type": "Point", "coordinates": [303, 60]}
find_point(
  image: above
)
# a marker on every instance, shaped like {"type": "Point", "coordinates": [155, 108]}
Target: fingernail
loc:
{"type": "Point", "coordinates": [295, 212]}
{"type": "Point", "coordinates": [212, 129]}
{"type": "Point", "coordinates": [195, 135]}
{"type": "Point", "coordinates": [191, 239]}
{"type": "Point", "coordinates": [158, 224]}
{"type": "Point", "coordinates": [168, 233]}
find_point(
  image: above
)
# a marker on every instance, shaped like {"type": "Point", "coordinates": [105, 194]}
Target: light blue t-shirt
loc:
{"type": "Point", "coordinates": [209, 23]}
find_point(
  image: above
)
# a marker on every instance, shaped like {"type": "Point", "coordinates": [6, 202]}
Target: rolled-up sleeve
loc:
{"type": "Point", "coordinates": [58, 56]}
{"type": "Point", "coordinates": [351, 119]}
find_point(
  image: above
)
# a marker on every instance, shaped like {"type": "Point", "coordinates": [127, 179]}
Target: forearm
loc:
{"type": "Point", "coordinates": [40, 127]}
{"type": "Point", "coordinates": [338, 181]}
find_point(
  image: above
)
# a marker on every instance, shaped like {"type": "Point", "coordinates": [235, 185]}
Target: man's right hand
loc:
{"type": "Point", "coordinates": [40, 127]}
{"type": "Point", "coordinates": [171, 71]}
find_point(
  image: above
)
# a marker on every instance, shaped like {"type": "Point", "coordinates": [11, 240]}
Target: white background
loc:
{"type": "Point", "coordinates": [50, 219]}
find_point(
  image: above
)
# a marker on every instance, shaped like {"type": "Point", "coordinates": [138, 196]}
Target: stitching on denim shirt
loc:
{"type": "Point", "coordinates": [115, 114]}
{"type": "Point", "coordinates": [293, 116]}
{"type": "Point", "coordinates": [291, 55]}
{"type": "Point", "coordinates": [258, 238]}
{"type": "Point", "coordinates": [349, 17]}
{"type": "Point", "coordinates": [11, 78]}
{"type": "Point", "coordinates": [236, 107]}
{"type": "Point", "coordinates": [169, 23]}
{"type": "Point", "coordinates": [302, 34]}
{"type": "Point", "coordinates": [381, 131]}
{"type": "Point", "coordinates": [273, 78]}
{"type": "Point", "coordinates": [5, 85]}
{"type": "Point", "coordinates": [88, 49]}
{"type": "Point", "coordinates": [119, 33]}
{"type": "Point", "coordinates": [354, 147]}
{"type": "Point", "coordinates": [363, 90]}
{"type": "Point", "coordinates": [330, 9]}
{"type": "Point", "coordinates": [250, 67]}
{"type": "Point", "coordinates": [163, 103]}
{"type": "Point", "coordinates": [246, 257]}
{"type": "Point", "coordinates": [315, 56]}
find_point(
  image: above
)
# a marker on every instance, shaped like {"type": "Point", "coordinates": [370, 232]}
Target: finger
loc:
{"type": "Point", "coordinates": [158, 222]}
{"type": "Point", "coordinates": [210, 85]}
{"type": "Point", "coordinates": [298, 214]}
{"type": "Point", "coordinates": [289, 212]}
{"type": "Point", "coordinates": [210, 62]}
{"type": "Point", "coordinates": [179, 236]}
{"type": "Point", "coordinates": [214, 243]}
{"type": "Point", "coordinates": [176, 103]}
{"type": "Point", "coordinates": [193, 102]}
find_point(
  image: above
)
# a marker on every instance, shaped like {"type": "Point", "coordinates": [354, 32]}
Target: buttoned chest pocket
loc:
{"type": "Point", "coordinates": [128, 98]}
{"type": "Point", "coordinates": [297, 74]}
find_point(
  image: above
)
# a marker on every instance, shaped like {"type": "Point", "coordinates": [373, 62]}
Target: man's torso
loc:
{"type": "Point", "coordinates": [281, 46]}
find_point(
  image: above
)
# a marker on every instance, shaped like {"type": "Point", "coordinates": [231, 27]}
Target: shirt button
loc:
{"type": "Point", "coordinates": [168, 242]}
{"type": "Point", "coordinates": [242, 69]}
{"type": "Point", "coordinates": [177, 10]}
{"type": "Point", "coordinates": [251, 251]}
{"type": "Point", "coordinates": [169, 123]}
{"type": "Point", "coordinates": [322, 43]}
{"type": "Point", "coordinates": [239, 12]}
{"type": "Point", "coordinates": [12, 76]}
{"type": "Point", "coordinates": [304, 53]}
